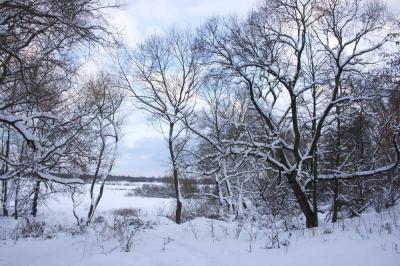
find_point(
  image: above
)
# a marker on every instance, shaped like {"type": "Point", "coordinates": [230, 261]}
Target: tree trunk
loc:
{"type": "Point", "coordinates": [4, 197]}
{"type": "Point", "coordinates": [220, 196]}
{"type": "Point", "coordinates": [231, 205]}
{"type": "Point", "coordinates": [335, 207]}
{"type": "Point", "coordinates": [17, 184]}
{"type": "Point", "coordinates": [314, 164]}
{"type": "Point", "coordinates": [302, 200]}
{"type": "Point", "coordinates": [35, 198]}
{"type": "Point", "coordinates": [240, 211]}
{"type": "Point", "coordinates": [314, 192]}
{"type": "Point", "coordinates": [95, 203]}
{"type": "Point", "coordinates": [95, 177]}
{"type": "Point", "coordinates": [16, 198]}
{"type": "Point", "coordinates": [178, 212]}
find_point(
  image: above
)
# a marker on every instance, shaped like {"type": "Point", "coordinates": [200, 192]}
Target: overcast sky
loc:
{"type": "Point", "coordinates": [143, 151]}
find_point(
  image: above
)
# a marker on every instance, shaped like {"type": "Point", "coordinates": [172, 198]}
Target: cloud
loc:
{"type": "Point", "coordinates": [143, 149]}
{"type": "Point", "coordinates": [142, 17]}
{"type": "Point", "coordinates": [148, 157]}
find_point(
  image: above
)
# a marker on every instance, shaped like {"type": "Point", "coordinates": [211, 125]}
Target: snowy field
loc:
{"type": "Point", "coordinates": [372, 240]}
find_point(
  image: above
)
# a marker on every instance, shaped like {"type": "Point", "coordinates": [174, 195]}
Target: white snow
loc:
{"type": "Point", "coordinates": [372, 240]}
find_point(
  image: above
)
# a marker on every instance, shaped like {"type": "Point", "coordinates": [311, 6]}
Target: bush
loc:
{"type": "Point", "coordinates": [129, 194]}
{"type": "Point", "coordinates": [126, 212]}
{"type": "Point", "coordinates": [207, 208]}
{"type": "Point", "coordinates": [98, 219]}
{"type": "Point", "coordinates": [189, 187]}
{"type": "Point", "coordinates": [155, 191]}
{"type": "Point", "coordinates": [124, 225]}
{"type": "Point", "coordinates": [125, 229]}
{"type": "Point", "coordinates": [32, 228]}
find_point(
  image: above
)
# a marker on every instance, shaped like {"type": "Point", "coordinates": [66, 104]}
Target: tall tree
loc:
{"type": "Point", "coordinates": [268, 54]}
{"type": "Point", "coordinates": [163, 80]}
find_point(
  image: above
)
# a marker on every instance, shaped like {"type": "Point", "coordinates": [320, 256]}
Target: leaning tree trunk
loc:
{"type": "Point", "coordinates": [302, 200]}
{"type": "Point", "coordinates": [96, 202]}
{"type": "Point", "coordinates": [300, 195]}
{"type": "Point", "coordinates": [95, 177]}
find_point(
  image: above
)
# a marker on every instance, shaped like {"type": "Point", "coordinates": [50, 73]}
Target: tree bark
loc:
{"type": "Point", "coordinates": [314, 188]}
{"type": "Point", "coordinates": [231, 205]}
{"type": "Point", "coordinates": [95, 177]}
{"type": "Point", "coordinates": [335, 204]}
{"type": "Point", "coordinates": [18, 186]}
{"type": "Point", "coordinates": [302, 200]}
{"type": "Point", "coordinates": [35, 198]}
{"type": "Point", "coordinates": [93, 206]}
{"type": "Point", "coordinates": [335, 207]}
{"type": "Point", "coordinates": [220, 196]}
{"type": "Point", "coordinates": [314, 165]}
{"type": "Point", "coordinates": [178, 212]}
{"type": "Point", "coordinates": [16, 198]}
{"type": "Point", "coordinates": [4, 197]}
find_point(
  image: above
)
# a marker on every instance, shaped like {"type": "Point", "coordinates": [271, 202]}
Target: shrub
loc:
{"type": "Point", "coordinates": [207, 208]}
{"type": "Point", "coordinates": [32, 228]}
{"type": "Point", "coordinates": [127, 212]}
{"type": "Point", "coordinates": [125, 229]}
{"type": "Point", "coordinates": [129, 194]}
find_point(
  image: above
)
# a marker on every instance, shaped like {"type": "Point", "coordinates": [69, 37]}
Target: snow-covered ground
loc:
{"type": "Point", "coordinates": [373, 239]}
{"type": "Point", "coordinates": [115, 196]}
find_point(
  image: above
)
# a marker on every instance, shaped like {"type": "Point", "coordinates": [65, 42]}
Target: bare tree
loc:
{"type": "Point", "coordinates": [268, 54]}
{"type": "Point", "coordinates": [40, 107]}
{"type": "Point", "coordinates": [107, 100]}
{"type": "Point", "coordinates": [164, 81]}
{"type": "Point", "coordinates": [36, 54]}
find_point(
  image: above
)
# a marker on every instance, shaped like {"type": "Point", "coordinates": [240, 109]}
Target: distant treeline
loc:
{"type": "Point", "coordinates": [123, 178]}
{"type": "Point", "coordinates": [165, 179]}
